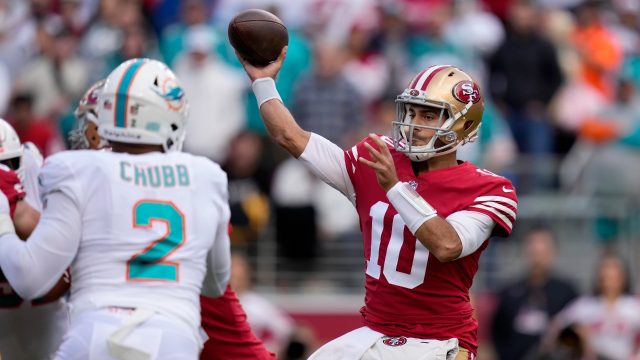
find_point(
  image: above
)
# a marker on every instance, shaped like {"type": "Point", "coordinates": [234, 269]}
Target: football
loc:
{"type": "Point", "coordinates": [258, 36]}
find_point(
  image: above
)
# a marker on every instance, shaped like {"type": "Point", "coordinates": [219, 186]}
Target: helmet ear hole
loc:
{"type": "Point", "coordinates": [467, 124]}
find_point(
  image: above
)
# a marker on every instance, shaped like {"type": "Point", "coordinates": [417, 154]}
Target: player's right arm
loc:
{"type": "Point", "coordinates": [278, 120]}
{"type": "Point", "coordinates": [25, 219]}
{"type": "Point", "coordinates": [34, 266]}
{"type": "Point", "coordinates": [324, 158]}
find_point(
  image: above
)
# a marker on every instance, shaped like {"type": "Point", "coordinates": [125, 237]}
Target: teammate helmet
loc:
{"type": "Point", "coordinates": [85, 135]}
{"type": "Point", "coordinates": [142, 103]}
{"type": "Point", "coordinates": [10, 147]}
{"type": "Point", "coordinates": [457, 95]}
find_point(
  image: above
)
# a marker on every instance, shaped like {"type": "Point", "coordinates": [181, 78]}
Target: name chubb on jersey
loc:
{"type": "Point", "coordinates": [154, 175]}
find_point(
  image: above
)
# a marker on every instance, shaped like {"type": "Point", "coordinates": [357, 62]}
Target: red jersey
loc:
{"type": "Point", "coordinates": [230, 337]}
{"type": "Point", "coordinates": [408, 292]}
{"type": "Point", "coordinates": [11, 187]}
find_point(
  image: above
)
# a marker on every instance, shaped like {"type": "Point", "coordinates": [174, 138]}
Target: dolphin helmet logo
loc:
{"type": "Point", "coordinates": [171, 92]}
{"type": "Point", "coordinates": [174, 94]}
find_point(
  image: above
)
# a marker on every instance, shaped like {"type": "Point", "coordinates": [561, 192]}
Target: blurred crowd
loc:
{"type": "Point", "coordinates": [541, 316]}
{"type": "Point", "coordinates": [560, 80]}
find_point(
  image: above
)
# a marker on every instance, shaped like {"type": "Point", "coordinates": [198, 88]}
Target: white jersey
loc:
{"type": "Point", "coordinates": [612, 331]}
{"type": "Point", "coordinates": [31, 163]}
{"type": "Point", "coordinates": [18, 337]}
{"type": "Point", "coordinates": [148, 224]}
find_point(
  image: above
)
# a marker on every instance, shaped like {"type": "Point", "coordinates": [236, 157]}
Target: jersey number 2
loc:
{"type": "Point", "coordinates": [390, 264]}
{"type": "Point", "coordinates": [152, 264]}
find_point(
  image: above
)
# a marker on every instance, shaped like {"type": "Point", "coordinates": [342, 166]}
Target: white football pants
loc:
{"type": "Point", "coordinates": [124, 334]}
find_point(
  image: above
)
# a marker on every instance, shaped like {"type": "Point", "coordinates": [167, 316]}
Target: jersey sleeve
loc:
{"type": "Point", "coordinates": [57, 176]}
{"type": "Point", "coordinates": [327, 161]}
{"type": "Point", "coordinates": [219, 257]}
{"type": "Point", "coordinates": [11, 187]}
{"type": "Point", "coordinates": [31, 164]}
{"type": "Point", "coordinates": [34, 266]}
{"type": "Point", "coordinates": [498, 200]}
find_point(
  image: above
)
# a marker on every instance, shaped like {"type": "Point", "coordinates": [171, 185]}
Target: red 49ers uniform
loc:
{"type": "Point", "coordinates": [230, 337]}
{"type": "Point", "coordinates": [226, 325]}
{"type": "Point", "coordinates": [408, 292]}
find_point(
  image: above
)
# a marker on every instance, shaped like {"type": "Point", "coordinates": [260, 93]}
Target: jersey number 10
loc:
{"type": "Point", "coordinates": [152, 264]}
{"type": "Point", "coordinates": [390, 264]}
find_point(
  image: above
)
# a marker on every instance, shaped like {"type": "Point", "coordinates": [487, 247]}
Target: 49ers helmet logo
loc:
{"type": "Point", "coordinates": [92, 97]}
{"type": "Point", "coordinates": [466, 91]}
{"type": "Point", "coordinates": [395, 341]}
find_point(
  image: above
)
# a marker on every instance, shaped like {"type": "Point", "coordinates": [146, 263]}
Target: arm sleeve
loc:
{"type": "Point", "coordinates": [473, 228]}
{"type": "Point", "coordinates": [219, 257]}
{"type": "Point", "coordinates": [33, 267]}
{"type": "Point", "coordinates": [327, 161]}
{"type": "Point", "coordinates": [497, 199]}
{"type": "Point", "coordinates": [218, 267]}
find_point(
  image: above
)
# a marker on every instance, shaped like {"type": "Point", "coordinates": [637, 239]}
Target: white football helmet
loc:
{"type": "Point", "coordinates": [461, 105]}
{"type": "Point", "coordinates": [142, 103]}
{"type": "Point", "coordinates": [85, 135]}
{"type": "Point", "coordinates": [10, 147]}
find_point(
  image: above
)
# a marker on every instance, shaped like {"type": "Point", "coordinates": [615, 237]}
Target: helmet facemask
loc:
{"type": "Point", "coordinates": [444, 141]}
{"type": "Point", "coordinates": [85, 133]}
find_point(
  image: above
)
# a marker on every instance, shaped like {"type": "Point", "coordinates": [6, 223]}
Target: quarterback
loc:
{"type": "Point", "coordinates": [143, 227]}
{"type": "Point", "coordinates": [425, 217]}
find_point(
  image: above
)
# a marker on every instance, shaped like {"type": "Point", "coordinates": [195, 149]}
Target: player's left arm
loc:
{"type": "Point", "coordinates": [448, 239]}
{"type": "Point", "coordinates": [219, 256]}
{"type": "Point", "coordinates": [218, 268]}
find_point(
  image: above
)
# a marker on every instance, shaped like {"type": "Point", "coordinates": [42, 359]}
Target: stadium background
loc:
{"type": "Point", "coordinates": [562, 121]}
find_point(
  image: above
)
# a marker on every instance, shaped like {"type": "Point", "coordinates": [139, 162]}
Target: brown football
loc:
{"type": "Point", "coordinates": [258, 36]}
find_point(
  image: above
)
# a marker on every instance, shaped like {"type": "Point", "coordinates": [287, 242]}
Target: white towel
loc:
{"type": "Point", "coordinates": [350, 346]}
